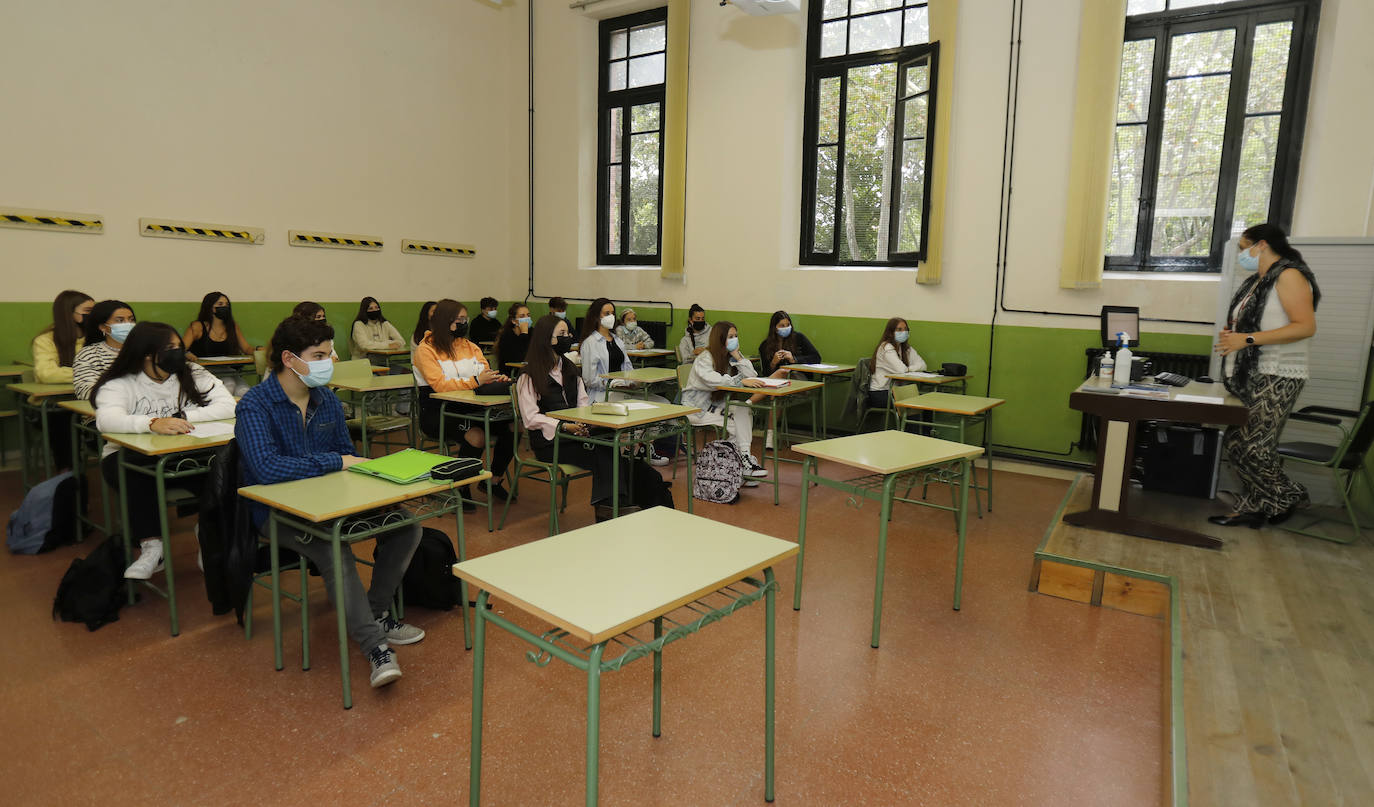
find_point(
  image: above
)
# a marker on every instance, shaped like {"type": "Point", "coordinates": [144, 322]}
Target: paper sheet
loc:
{"type": "Point", "coordinates": [638, 405]}
{"type": "Point", "coordinates": [821, 366]}
{"type": "Point", "coordinates": [922, 375]}
{"type": "Point", "coordinates": [214, 428]}
{"type": "Point", "coordinates": [1207, 399]}
{"type": "Point", "coordinates": [774, 382]}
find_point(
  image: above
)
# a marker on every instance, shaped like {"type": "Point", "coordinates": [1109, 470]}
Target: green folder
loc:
{"type": "Point", "coordinates": [403, 467]}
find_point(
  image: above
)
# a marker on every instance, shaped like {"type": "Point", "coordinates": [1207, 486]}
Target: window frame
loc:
{"type": "Point", "coordinates": [818, 69]}
{"type": "Point", "coordinates": [1244, 17]}
{"type": "Point", "coordinates": [625, 99]}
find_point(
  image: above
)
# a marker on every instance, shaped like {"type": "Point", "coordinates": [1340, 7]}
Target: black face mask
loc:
{"type": "Point", "coordinates": [171, 360]}
{"type": "Point", "coordinates": [221, 312]}
{"type": "Point", "coordinates": [459, 330]}
{"type": "Point", "coordinates": [374, 315]}
{"type": "Point", "coordinates": [699, 326]}
{"type": "Point", "coordinates": [562, 344]}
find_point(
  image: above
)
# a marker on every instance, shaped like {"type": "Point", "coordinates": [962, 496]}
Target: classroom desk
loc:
{"type": "Point", "coordinates": [667, 566]}
{"type": "Point", "coordinates": [35, 402]}
{"type": "Point", "coordinates": [795, 393]}
{"type": "Point", "coordinates": [655, 414]}
{"type": "Point", "coordinates": [826, 371]}
{"type": "Point", "coordinates": [492, 409]}
{"type": "Point", "coordinates": [235, 367]}
{"type": "Point", "coordinates": [83, 426]}
{"type": "Point", "coordinates": [1118, 416]}
{"type": "Point", "coordinates": [931, 379]}
{"type": "Point", "coordinates": [650, 355]}
{"type": "Point", "coordinates": [187, 456]}
{"type": "Point", "coordinates": [391, 357]}
{"type": "Point", "coordinates": [645, 377]}
{"type": "Point", "coordinates": [967, 410]}
{"type": "Point", "coordinates": [340, 508]}
{"type": "Point", "coordinates": [10, 371]}
{"type": "Point", "coordinates": [380, 389]}
{"type": "Point", "coordinates": [885, 458]}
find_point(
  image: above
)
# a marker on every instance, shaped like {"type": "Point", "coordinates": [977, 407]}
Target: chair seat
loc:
{"type": "Point", "coordinates": [380, 423]}
{"type": "Point", "coordinates": [1319, 453]}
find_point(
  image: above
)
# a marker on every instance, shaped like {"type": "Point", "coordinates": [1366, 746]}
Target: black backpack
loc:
{"type": "Point", "coordinates": [429, 581]}
{"type": "Point", "coordinates": [92, 590]}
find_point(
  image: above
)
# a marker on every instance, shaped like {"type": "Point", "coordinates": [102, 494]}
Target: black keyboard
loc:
{"type": "Point", "coordinates": [1172, 379]}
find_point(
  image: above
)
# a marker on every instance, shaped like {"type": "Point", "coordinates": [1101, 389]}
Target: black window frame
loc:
{"type": "Point", "coordinates": [625, 99]}
{"type": "Point", "coordinates": [1245, 17]}
{"type": "Point", "coordinates": [818, 69]}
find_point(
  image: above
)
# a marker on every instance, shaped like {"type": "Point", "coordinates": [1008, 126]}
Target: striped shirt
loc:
{"type": "Point", "coordinates": [90, 363]}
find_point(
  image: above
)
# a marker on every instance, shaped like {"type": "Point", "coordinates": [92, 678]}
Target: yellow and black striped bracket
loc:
{"type": "Point", "coordinates": [203, 232]}
{"type": "Point", "coordinates": [69, 222]}
{"type": "Point", "coordinates": [301, 238]}
{"type": "Point", "coordinates": [438, 248]}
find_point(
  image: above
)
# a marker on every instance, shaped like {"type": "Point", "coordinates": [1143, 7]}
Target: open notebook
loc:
{"type": "Point", "coordinates": [403, 467]}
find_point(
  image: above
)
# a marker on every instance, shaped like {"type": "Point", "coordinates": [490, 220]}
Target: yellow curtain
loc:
{"type": "Point", "coordinates": [944, 15]}
{"type": "Point", "coordinates": [1094, 129]}
{"type": "Point", "coordinates": [675, 139]}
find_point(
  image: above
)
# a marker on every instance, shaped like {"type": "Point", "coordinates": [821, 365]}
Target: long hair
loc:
{"type": "Point", "coordinates": [592, 321]}
{"type": "Point", "coordinates": [295, 335]}
{"type": "Point", "coordinates": [542, 358]}
{"type": "Point", "coordinates": [446, 312]}
{"type": "Point", "coordinates": [889, 339]}
{"type": "Point", "coordinates": [65, 330]}
{"type": "Point", "coordinates": [508, 326]}
{"type": "Point", "coordinates": [206, 316]}
{"type": "Point", "coordinates": [306, 309]}
{"type": "Point", "coordinates": [99, 315]}
{"type": "Point", "coordinates": [773, 343]}
{"type": "Point", "coordinates": [692, 312]}
{"type": "Point", "coordinates": [1277, 239]}
{"type": "Point", "coordinates": [720, 357]}
{"type": "Point", "coordinates": [362, 310]}
{"type": "Point", "coordinates": [145, 341]}
{"type": "Point", "coordinates": [422, 323]}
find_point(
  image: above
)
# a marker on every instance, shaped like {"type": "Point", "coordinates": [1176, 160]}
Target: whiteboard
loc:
{"type": "Point", "coordinates": [1338, 357]}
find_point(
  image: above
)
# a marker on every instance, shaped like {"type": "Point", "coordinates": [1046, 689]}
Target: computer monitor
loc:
{"type": "Point", "coordinates": [1118, 318]}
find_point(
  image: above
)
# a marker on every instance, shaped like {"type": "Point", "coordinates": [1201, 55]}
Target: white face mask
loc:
{"type": "Point", "coordinates": [631, 324]}
{"type": "Point", "coordinates": [608, 321]}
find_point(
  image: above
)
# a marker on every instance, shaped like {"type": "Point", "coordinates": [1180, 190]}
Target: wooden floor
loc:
{"type": "Point", "coordinates": [1278, 653]}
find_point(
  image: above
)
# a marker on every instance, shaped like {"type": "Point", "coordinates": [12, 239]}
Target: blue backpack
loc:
{"type": "Point", "coordinates": [47, 517]}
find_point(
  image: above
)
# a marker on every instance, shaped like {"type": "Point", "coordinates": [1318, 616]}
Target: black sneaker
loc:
{"type": "Point", "coordinates": [384, 666]}
{"type": "Point", "coordinates": [499, 492]}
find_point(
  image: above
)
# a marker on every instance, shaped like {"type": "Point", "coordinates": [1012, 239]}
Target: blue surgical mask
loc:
{"type": "Point", "coordinates": [732, 344]}
{"type": "Point", "coordinates": [320, 372]}
{"type": "Point", "coordinates": [1246, 261]}
{"type": "Point", "coordinates": [524, 321]}
{"type": "Point", "coordinates": [491, 314]}
{"type": "Point", "coordinates": [119, 331]}
{"type": "Point", "coordinates": [561, 314]}
{"type": "Point", "coordinates": [785, 331]}
{"type": "Point", "coordinates": [901, 336]}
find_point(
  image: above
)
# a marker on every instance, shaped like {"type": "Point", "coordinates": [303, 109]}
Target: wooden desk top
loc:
{"type": "Point", "coordinates": [936, 379]}
{"type": "Point", "coordinates": [951, 402]}
{"type": "Point", "coordinates": [7, 370]}
{"type": "Point", "coordinates": [223, 361]}
{"type": "Point", "coordinates": [35, 390]}
{"type": "Point", "coordinates": [345, 493]}
{"type": "Point", "coordinates": [155, 445]}
{"type": "Point", "coordinates": [390, 351]}
{"type": "Point", "coordinates": [793, 387]}
{"type": "Point", "coordinates": [516, 364]}
{"type": "Point", "coordinates": [637, 417]}
{"type": "Point", "coordinates": [468, 396]}
{"type": "Point", "coordinates": [644, 375]}
{"type": "Point", "coordinates": [887, 452]}
{"type": "Point", "coordinates": [376, 383]}
{"type": "Point", "coordinates": [1228, 411]}
{"type": "Point", "coordinates": [82, 408]}
{"type": "Point", "coordinates": [831, 368]}
{"type": "Point", "coordinates": [602, 580]}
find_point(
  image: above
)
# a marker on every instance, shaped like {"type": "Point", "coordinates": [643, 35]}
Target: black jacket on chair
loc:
{"type": "Point", "coordinates": [228, 543]}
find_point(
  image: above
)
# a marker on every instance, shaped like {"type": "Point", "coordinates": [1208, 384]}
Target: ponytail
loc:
{"type": "Point", "coordinates": [1276, 238]}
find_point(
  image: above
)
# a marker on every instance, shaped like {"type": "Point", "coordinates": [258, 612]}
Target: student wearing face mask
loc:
{"type": "Point", "coordinates": [723, 365]}
{"type": "Point", "coordinates": [696, 338]}
{"type": "Point", "coordinates": [422, 324]}
{"type": "Point", "coordinates": [893, 355]}
{"type": "Point", "coordinates": [446, 361]}
{"type": "Point", "coordinates": [785, 345]}
{"type": "Point", "coordinates": [513, 342]}
{"type": "Point", "coordinates": [487, 324]}
{"type": "Point", "coordinates": [292, 426]}
{"type": "Point", "coordinates": [54, 349]}
{"type": "Point", "coordinates": [631, 334]}
{"type": "Point", "coordinates": [372, 331]}
{"type": "Point", "coordinates": [107, 326]}
{"type": "Point", "coordinates": [559, 308]}
{"type": "Point", "coordinates": [214, 333]}
{"type": "Point", "coordinates": [152, 388]}
{"type": "Point", "coordinates": [603, 352]}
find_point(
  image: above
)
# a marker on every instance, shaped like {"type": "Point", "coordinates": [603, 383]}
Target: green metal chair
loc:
{"type": "Point", "coordinates": [538, 471]}
{"type": "Point", "coordinates": [684, 371]}
{"type": "Point", "coordinates": [1345, 461]}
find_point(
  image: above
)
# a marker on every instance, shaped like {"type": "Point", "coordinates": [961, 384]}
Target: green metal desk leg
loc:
{"type": "Point", "coordinates": [615, 474]}
{"type": "Point", "coordinates": [124, 517]}
{"type": "Point", "coordinates": [962, 517]}
{"type": "Point", "coordinates": [48, 458]}
{"type": "Point", "coordinates": [778, 440]}
{"type": "Point", "coordinates": [553, 475]}
{"type": "Point", "coordinates": [769, 674]}
{"type": "Point", "coordinates": [336, 546]}
{"type": "Point", "coordinates": [593, 720]}
{"type": "Point", "coordinates": [691, 450]}
{"type": "Point", "coordinates": [479, 657]}
{"type": "Point", "coordinates": [487, 454]}
{"type": "Point", "coordinates": [463, 584]}
{"type": "Point", "coordinates": [808, 469]}
{"type": "Point", "coordinates": [658, 679]}
{"type": "Point", "coordinates": [888, 484]}
{"type": "Point", "coordinates": [276, 587]}
{"type": "Point", "coordinates": [305, 612]}
{"type": "Point", "coordinates": [161, 480]}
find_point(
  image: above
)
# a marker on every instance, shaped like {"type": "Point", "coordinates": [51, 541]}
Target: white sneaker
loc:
{"type": "Point", "coordinates": [149, 561]}
{"type": "Point", "coordinates": [384, 666]}
{"type": "Point", "coordinates": [657, 460]}
{"type": "Point", "coordinates": [768, 440]}
{"type": "Point", "coordinates": [755, 469]}
{"type": "Point", "coordinates": [749, 483]}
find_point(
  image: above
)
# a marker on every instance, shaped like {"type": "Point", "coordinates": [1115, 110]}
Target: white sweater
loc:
{"type": "Point", "coordinates": [890, 363]}
{"type": "Point", "coordinates": [128, 405]}
{"type": "Point", "coordinates": [704, 379]}
{"type": "Point", "coordinates": [367, 336]}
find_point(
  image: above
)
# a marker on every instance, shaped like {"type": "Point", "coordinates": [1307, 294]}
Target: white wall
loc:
{"type": "Point", "coordinates": [369, 117]}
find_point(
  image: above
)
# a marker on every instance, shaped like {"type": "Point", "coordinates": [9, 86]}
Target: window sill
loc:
{"type": "Point", "coordinates": [843, 268]}
{"type": "Point", "coordinates": [621, 267]}
{"type": "Point", "coordinates": [1185, 277]}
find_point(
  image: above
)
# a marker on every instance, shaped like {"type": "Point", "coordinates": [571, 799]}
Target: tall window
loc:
{"type": "Point", "coordinates": [1209, 127]}
{"type": "Point", "coordinates": [629, 188]}
{"type": "Point", "coordinates": [870, 100]}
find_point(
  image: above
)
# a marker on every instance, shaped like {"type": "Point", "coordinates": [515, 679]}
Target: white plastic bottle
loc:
{"type": "Point", "coordinates": [1122, 372]}
{"type": "Point", "coordinates": [1105, 365]}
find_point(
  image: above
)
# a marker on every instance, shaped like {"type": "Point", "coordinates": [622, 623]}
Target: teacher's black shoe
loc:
{"type": "Point", "coordinates": [1279, 518]}
{"type": "Point", "coordinates": [1252, 520]}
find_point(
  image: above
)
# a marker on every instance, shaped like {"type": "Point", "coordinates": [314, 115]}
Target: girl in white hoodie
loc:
{"type": "Point", "coordinates": [151, 388]}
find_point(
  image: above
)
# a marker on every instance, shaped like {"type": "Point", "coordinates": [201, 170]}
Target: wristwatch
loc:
{"type": "Point", "coordinates": [1249, 339]}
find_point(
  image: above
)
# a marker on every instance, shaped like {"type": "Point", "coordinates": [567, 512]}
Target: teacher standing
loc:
{"type": "Point", "coordinates": [1264, 360]}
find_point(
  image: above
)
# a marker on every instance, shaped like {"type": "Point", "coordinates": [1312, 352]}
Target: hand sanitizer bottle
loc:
{"type": "Point", "coordinates": [1105, 366]}
{"type": "Point", "coordinates": [1121, 374]}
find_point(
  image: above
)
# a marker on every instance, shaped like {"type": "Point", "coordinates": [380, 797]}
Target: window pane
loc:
{"type": "Point", "coordinates": [823, 239]}
{"type": "Point", "coordinates": [1173, 4]}
{"type": "Point", "coordinates": [877, 32]}
{"type": "Point", "coordinates": [917, 27]}
{"type": "Point", "coordinates": [1204, 52]}
{"type": "Point", "coordinates": [646, 70]}
{"type": "Point", "coordinates": [834, 8]}
{"type": "Point", "coordinates": [613, 134]}
{"type": "Point", "coordinates": [617, 44]}
{"type": "Point", "coordinates": [1137, 61]}
{"type": "Point", "coordinates": [865, 6]}
{"type": "Point", "coordinates": [913, 180]}
{"type": "Point", "coordinates": [828, 110]}
{"type": "Point", "coordinates": [1143, 6]}
{"type": "Point", "coordinates": [866, 185]}
{"type": "Point", "coordinates": [1189, 160]}
{"type": "Point", "coordinates": [613, 210]}
{"type": "Point", "coordinates": [914, 117]}
{"type": "Point", "coordinates": [1255, 176]}
{"type": "Point", "coordinates": [644, 194]}
{"type": "Point", "coordinates": [833, 38]}
{"type": "Point", "coordinates": [648, 38]}
{"type": "Point", "coordinates": [615, 72]}
{"type": "Point", "coordinates": [917, 80]}
{"type": "Point", "coordinates": [1123, 204]}
{"type": "Point", "coordinates": [644, 118]}
{"type": "Point", "coordinates": [1269, 67]}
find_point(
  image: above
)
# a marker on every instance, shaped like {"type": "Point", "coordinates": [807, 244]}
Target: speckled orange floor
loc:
{"type": "Point", "coordinates": [1017, 699]}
